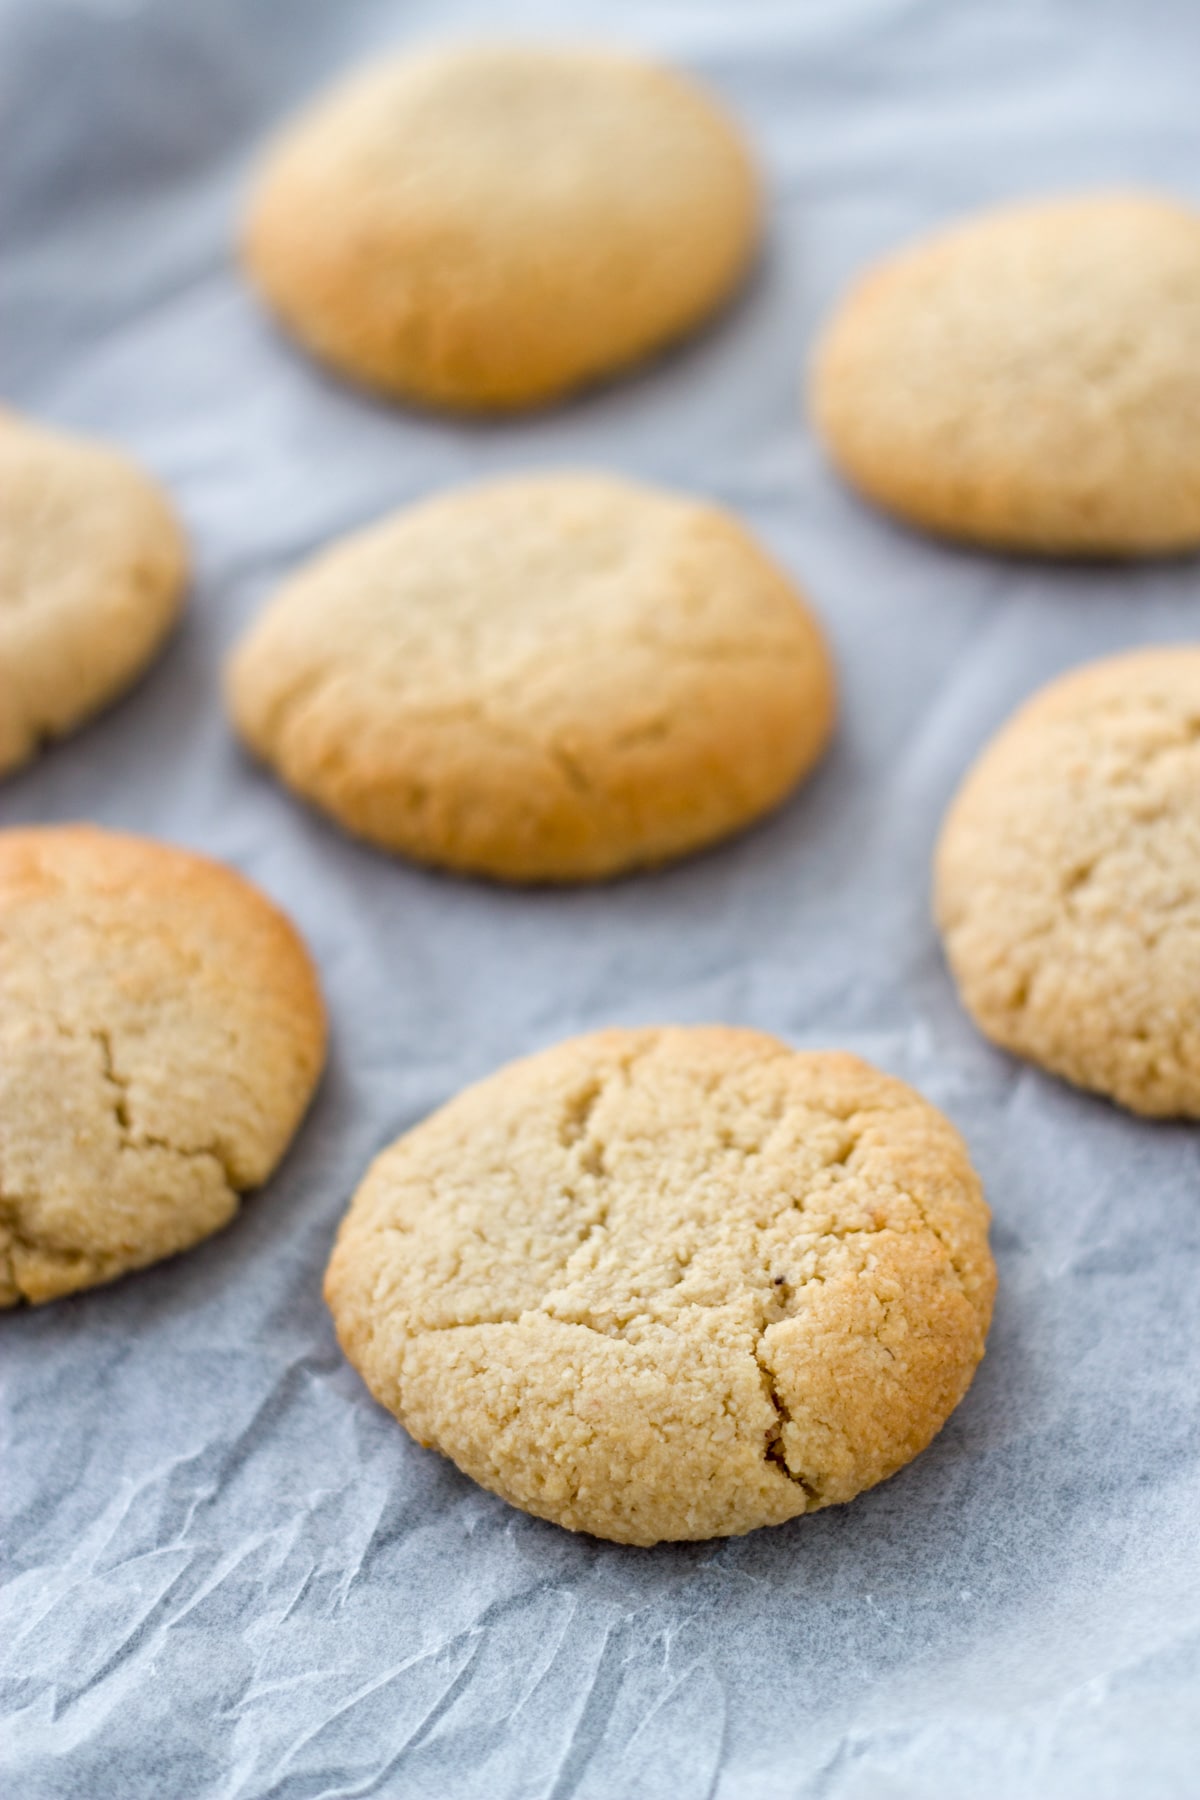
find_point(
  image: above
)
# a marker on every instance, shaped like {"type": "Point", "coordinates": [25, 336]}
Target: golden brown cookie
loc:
{"type": "Point", "coordinates": [161, 1031]}
{"type": "Point", "coordinates": [670, 1283]}
{"type": "Point", "coordinates": [1029, 380]}
{"type": "Point", "coordinates": [92, 567]}
{"type": "Point", "coordinates": [549, 678]}
{"type": "Point", "coordinates": [1068, 881]}
{"type": "Point", "coordinates": [489, 226]}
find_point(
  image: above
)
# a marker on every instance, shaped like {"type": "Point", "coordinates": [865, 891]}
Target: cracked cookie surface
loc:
{"type": "Point", "coordinates": [1029, 379]}
{"type": "Point", "coordinates": [539, 679]}
{"type": "Point", "coordinates": [1068, 881]}
{"type": "Point", "coordinates": [92, 567]}
{"type": "Point", "coordinates": [670, 1284]}
{"type": "Point", "coordinates": [161, 1032]}
{"type": "Point", "coordinates": [487, 227]}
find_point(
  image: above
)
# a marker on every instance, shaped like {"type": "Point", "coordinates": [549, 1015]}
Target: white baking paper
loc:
{"type": "Point", "coordinates": [229, 1575]}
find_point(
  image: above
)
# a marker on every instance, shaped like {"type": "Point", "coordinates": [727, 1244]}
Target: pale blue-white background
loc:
{"type": "Point", "coordinates": [227, 1574]}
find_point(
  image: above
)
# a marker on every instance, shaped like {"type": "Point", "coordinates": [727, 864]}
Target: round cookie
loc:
{"type": "Point", "coordinates": [1068, 881]}
{"type": "Point", "coordinates": [488, 227]}
{"type": "Point", "coordinates": [161, 1031]}
{"type": "Point", "coordinates": [1029, 380]}
{"type": "Point", "coordinates": [92, 568]}
{"type": "Point", "coordinates": [670, 1283]}
{"type": "Point", "coordinates": [549, 678]}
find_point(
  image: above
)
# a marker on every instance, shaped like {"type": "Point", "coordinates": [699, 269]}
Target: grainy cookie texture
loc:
{"type": "Point", "coordinates": [1030, 379]}
{"type": "Point", "coordinates": [161, 1031]}
{"type": "Point", "coordinates": [489, 226]}
{"type": "Point", "coordinates": [92, 567]}
{"type": "Point", "coordinates": [541, 679]}
{"type": "Point", "coordinates": [1068, 881]}
{"type": "Point", "coordinates": [670, 1283]}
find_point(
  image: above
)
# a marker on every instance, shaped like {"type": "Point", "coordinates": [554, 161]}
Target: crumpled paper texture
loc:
{"type": "Point", "coordinates": [228, 1574]}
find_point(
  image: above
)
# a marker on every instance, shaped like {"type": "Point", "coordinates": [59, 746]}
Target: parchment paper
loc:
{"type": "Point", "coordinates": [228, 1573]}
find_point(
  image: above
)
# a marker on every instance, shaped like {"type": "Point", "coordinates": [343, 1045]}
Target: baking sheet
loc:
{"type": "Point", "coordinates": [227, 1574]}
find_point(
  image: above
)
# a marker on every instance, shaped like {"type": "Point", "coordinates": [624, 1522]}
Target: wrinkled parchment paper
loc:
{"type": "Point", "coordinates": [227, 1574]}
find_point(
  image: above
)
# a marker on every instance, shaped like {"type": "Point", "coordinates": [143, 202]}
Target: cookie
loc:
{"type": "Point", "coordinates": [1068, 881]}
{"type": "Point", "coordinates": [161, 1031]}
{"type": "Point", "coordinates": [549, 678]}
{"type": "Point", "coordinates": [488, 227]}
{"type": "Point", "coordinates": [1029, 380]}
{"type": "Point", "coordinates": [92, 568]}
{"type": "Point", "coordinates": [670, 1283]}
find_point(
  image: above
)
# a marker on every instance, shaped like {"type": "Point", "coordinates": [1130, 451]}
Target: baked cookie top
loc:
{"type": "Point", "coordinates": [92, 568]}
{"type": "Point", "coordinates": [161, 1031]}
{"type": "Point", "coordinates": [1029, 379]}
{"type": "Point", "coordinates": [546, 678]}
{"type": "Point", "coordinates": [488, 226]}
{"type": "Point", "coordinates": [670, 1283]}
{"type": "Point", "coordinates": [1068, 880]}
